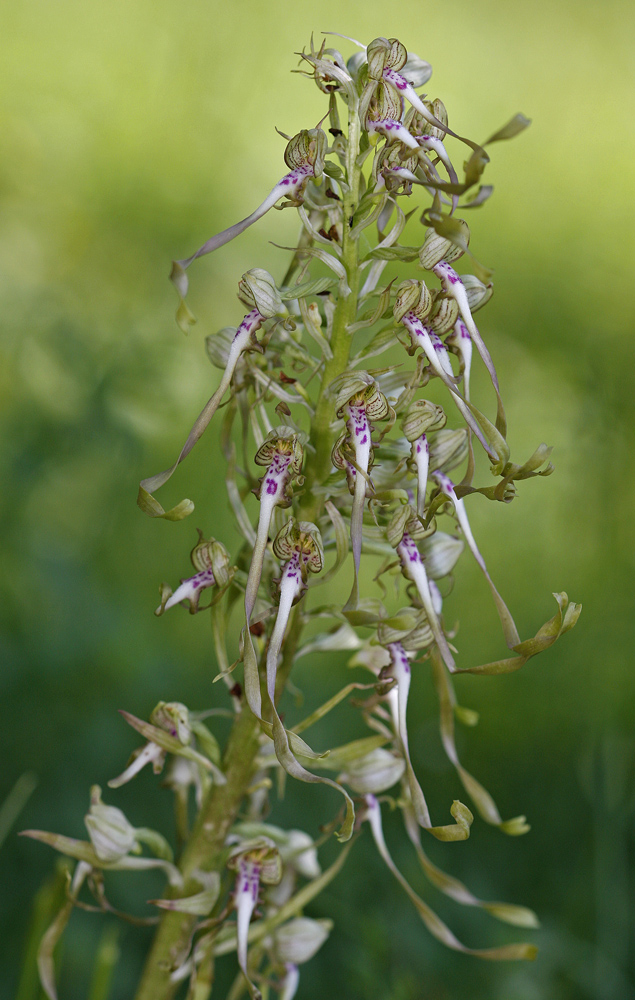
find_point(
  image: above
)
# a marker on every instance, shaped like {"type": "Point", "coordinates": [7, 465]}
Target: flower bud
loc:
{"type": "Point", "coordinates": [375, 772]}
{"type": "Point", "coordinates": [300, 852]}
{"type": "Point", "coordinates": [440, 554]}
{"type": "Point", "coordinates": [449, 449]}
{"type": "Point", "coordinates": [422, 417]}
{"type": "Point", "coordinates": [412, 296]}
{"type": "Point", "coordinates": [416, 71]}
{"type": "Point", "coordinates": [303, 537]}
{"type": "Point", "coordinates": [257, 289]}
{"type": "Point", "coordinates": [445, 313]}
{"type": "Point", "coordinates": [111, 835]}
{"type": "Point", "coordinates": [174, 718]}
{"type": "Point", "coordinates": [437, 248]}
{"type": "Point", "coordinates": [477, 293]}
{"type": "Point", "coordinates": [300, 939]}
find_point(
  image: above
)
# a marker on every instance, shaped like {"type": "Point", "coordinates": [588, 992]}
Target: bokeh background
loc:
{"type": "Point", "coordinates": [134, 129]}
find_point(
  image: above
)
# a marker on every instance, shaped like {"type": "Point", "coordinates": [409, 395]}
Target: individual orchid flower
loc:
{"type": "Point", "coordinates": [403, 532]}
{"type": "Point", "coordinates": [359, 401]}
{"type": "Point", "coordinates": [422, 416]}
{"type": "Point", "coordinates": [255, 862]}
{"type": "Point", "coordinates": [170, 730]}
{"type": "Point", "coordinates": [304, 156]}
{"type": "Point", "coordinates": [282, 452]}
{"type": "Point", "coordinates": [256, 289]}
{"type": "Point", "coordinates": [174, 718]}
{"type": "Point", "coordinates": [211, 559]}
{"type": "Point", "coordinates": [447, 487]}
{"type": "Point", "coordinates": [392, 171]}
{"type": "Point", "coordinates": [413, 304]}
{"type": "Point", "coordinates": [299, 544]}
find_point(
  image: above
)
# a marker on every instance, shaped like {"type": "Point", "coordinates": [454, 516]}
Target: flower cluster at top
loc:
{"type": "Point", "coordinates": [354, 460]}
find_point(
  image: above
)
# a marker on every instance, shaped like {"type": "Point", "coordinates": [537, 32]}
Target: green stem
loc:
{"type": "Point", "coordinates": [204, 849]}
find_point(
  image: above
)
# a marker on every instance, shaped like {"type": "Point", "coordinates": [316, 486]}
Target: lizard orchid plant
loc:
{"type": "Point", "coordinates": [355, 459]}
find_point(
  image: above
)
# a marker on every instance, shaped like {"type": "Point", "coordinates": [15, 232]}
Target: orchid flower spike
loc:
{"type": "Point", "coordinates": [421, 418]}
{"type": "Point", "coordinates": [359, 401]}
{"type": "Point", "coordinates": [299, 544]}
{"type": "Point", "coordinates": [282, 452]}
{"type": "Point", "coordinates": [304, 156]}
{"type": "Point", "coordinates": [211, 560]}
{"type": "Point", "coordinates": [403, 532]}
{"type": "Point", "coordinates": [255, 862]}
{"type": "Point", "coordinates": [434, 924]}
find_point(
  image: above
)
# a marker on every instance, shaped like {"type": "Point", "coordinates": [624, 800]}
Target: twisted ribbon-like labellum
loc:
{"type": "Point", "coordinates": [305, 155]}
{"type": "Point", "coordinates": [434, 924]}
{"type": "Point", "coordinates": [244, 340]}
{"type": "Point", "coordinates": [509, 628]}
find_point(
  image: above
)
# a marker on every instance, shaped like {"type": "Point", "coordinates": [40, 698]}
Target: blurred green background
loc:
{"type": "Point", "coordinates": [132, 131]}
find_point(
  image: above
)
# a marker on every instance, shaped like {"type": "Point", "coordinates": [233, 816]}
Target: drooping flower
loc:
{"type": "Point", "coordinates": [359, 401]}
{"type": "Point", "coordinates": [304, 156]}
